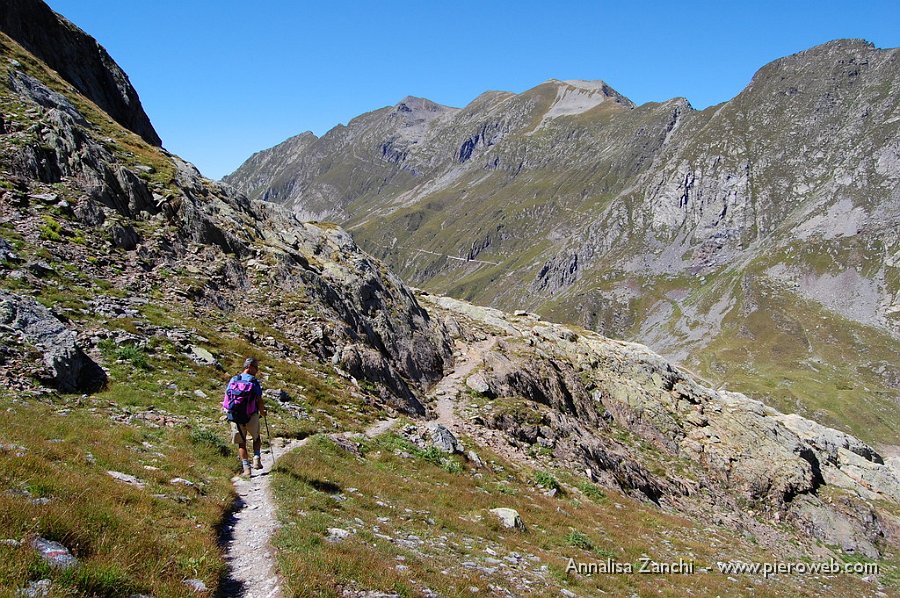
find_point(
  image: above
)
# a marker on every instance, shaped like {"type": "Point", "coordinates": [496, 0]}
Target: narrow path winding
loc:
{"type": "Point", "coordinates": [248, 532]}
{"type": "Point", "coordinates": [446, 392]}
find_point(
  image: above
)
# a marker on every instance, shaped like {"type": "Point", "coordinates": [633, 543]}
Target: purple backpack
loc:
{"type": "Point", "coordinates": [240, 399]}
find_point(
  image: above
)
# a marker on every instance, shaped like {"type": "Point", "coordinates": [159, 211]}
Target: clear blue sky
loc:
{"type": "Point", "coordinates": [222, 79]}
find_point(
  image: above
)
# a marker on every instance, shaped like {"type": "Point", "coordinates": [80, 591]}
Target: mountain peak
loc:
{"type": "Point", "coordinates": [413, 104]}
{"type": "Point", "coordinates": [589, 85]}
{"type": "Point", "coordinates": [575, 96]}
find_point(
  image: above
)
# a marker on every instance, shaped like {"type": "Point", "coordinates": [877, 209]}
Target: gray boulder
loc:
{"type": "Point", "coordinates": [444, 440]}
{"type": "Point", "coordinates": [202, 356]}
{"type": "Point", "coordinates": [277, 394]}
{"type": "Point", "coordinates": [54, 553]}
{"type": "Point", "coordinates": [477, 383]}
{"type": "Point", "coordinates": [6, 252]}
{"type": "Point", "coordinates": [36, 589]}
{"type": "Point", "coordinates": [66, 365]}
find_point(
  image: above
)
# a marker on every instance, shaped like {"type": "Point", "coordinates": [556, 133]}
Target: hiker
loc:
{"type": "Point", "coordinates": [244, 405]}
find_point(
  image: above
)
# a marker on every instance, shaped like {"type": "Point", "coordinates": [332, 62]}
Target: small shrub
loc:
{"type": "Point", "coordinates": [546, 480]}
{"type": "Point", "coordinates": [437, 457]}
{"type": "Point", "coordinates": [107, 348]}
{"type": "Point", "coordinates": [591, 491]}
{"type": "Point", "coordinates": [432, 455]}
{"type": "Point", "coordinates": [603, 553]}
{"type": "Point", "coordinates": [205, 436]}
{"type": "Point", "coordinates": [451, 465]}
{"type": "Point", "coordinates": [579, 540]}
{"type": "Point", "coordinates": [134, 355]}
{"type": "Point", "coordinates": [51, 230]}
{"type": "Point", "coordinates": [505, 489]}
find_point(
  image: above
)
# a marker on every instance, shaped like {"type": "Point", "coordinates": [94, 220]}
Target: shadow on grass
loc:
{"type": "Point", "coordinates": [229, 587]}
{"type": "Point", "coordinates": [316, 484]}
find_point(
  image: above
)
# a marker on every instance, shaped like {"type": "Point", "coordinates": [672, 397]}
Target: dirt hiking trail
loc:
{"type": "Point", "coordinates": [247, 533]}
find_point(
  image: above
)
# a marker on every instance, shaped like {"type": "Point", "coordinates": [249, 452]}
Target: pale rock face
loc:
{"type": "Point", "coordinates": [66, 365]}
{"type": "Point", "coordinates": [578, 383]}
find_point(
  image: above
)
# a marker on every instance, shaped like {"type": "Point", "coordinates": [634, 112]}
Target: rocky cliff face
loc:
{"type": "Point", "coordinates": [713, 236]}
{"type": "Point", "coordinates": [627, 417]}
{"type": "Point", "coordinates": [79, 59]}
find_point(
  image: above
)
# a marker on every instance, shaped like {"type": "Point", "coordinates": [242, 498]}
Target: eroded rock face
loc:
{"type": "Point", "coordinates": [67, 367]}
{"type": "Point", "coordinates": [366, 318]}
{"type": "Point", "coordinates": [615, 408]}
{"type": "Point", "coordinates": [366, 363]}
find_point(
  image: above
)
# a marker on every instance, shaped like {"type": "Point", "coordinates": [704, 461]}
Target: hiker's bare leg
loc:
{"type": "Point", "coordinates": [242, 452]}
{"type": "Point", "coordinates": [257, 445]}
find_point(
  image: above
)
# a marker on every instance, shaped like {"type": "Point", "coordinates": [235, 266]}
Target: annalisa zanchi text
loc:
{"type": "Point", "coordinates": [648, 565]}
{"type": "Point", "coordinates": [643, 565]}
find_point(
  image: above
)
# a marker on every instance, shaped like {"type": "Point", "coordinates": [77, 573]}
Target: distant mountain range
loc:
{"type": "Point", "coordinates": [755, 241]}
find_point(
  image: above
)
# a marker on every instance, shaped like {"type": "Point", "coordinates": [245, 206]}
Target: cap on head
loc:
{"type": "Point", "coordinates": [251, 362]}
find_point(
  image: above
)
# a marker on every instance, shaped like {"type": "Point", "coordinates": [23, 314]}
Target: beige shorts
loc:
{"type": "Point", "coordinates": [239, 432]}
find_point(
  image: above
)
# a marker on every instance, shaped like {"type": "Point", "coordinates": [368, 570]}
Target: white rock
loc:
{"type": "Point", "coordinates": [336, 534]}
{"type": "Point", "coordinates": [477, 383]}
{"type": "Point", "coordinates": [124, 477]}
{"type": "Point", "coordinates": [509, 518]}
{"type": "Point", "coordinates": [196, 585]}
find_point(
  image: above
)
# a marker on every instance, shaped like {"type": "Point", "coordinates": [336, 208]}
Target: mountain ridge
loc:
{"type": "Point", "coordinates": [654, 222]}
{"type": "Point", "coordinates": [79, 59]}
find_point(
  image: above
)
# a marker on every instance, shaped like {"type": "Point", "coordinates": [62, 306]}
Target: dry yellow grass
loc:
{"type": "Point", "coordinates": [127, 539]}
{"type": "Point", "coordinates": [448, 512]}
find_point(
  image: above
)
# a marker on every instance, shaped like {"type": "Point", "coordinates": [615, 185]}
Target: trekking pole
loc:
{"type": "Point", "coordinates": [269, 435]}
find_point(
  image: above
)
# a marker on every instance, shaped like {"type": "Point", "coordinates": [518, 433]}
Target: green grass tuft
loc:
{"type": "Point", "coordinates": [547, 481]}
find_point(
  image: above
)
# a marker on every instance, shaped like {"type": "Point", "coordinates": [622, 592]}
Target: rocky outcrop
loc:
{"type": "Point", "coordinates": [79, 59]}
{"type": "Point", "coordinates": [65, 365]}
{"type": "Point", "coordinates": [616, 409]}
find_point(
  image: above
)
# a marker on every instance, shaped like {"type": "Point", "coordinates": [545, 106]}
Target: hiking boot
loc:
{"type": "Point", "coordinates": [257, 462]}
{"type": "Point", "coordinates": [246, 469]}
